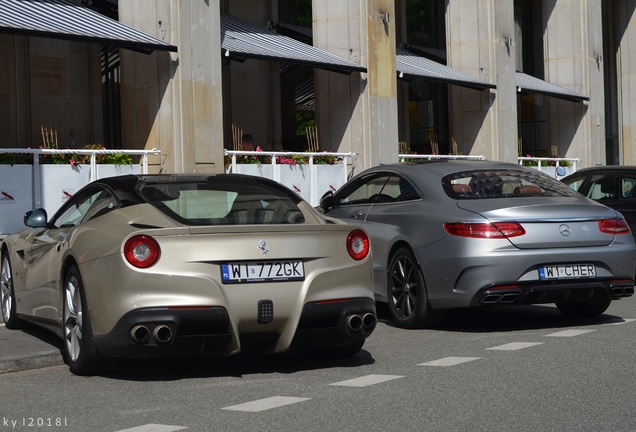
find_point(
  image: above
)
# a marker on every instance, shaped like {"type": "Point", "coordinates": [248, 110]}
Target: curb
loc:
{"type": "Point", "coordinates": [36, 360]}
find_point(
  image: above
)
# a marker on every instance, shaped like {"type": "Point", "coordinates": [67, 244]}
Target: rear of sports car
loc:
{"type": "Point", "coordinates": [533, 244]}
{"type": "Point", "coordinates": [249, 280]}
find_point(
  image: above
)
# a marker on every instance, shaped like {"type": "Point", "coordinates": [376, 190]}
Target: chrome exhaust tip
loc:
{"type": "Point", "coordinates": [140, 334]}
{"type": "Point", "coordinates": [354, 323]}
{"type": "Point", "coordinates": [369, 321]}
{"type": "Point", "coordinates": [162, 334]}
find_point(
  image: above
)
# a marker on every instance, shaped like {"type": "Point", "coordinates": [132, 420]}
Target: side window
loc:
{"type": "Point", "coordinates": [602, 187]}
{"type": "Point", "coordinates": [79, 207]}
{"type": "Point", "coordinates": [364, 191]}
{"type": "Point", "coordinates": [627, 187]}
{"type": "Point", "coordinates": [575, 184]}
{"type": "Point", "coordinates": [398, 189]}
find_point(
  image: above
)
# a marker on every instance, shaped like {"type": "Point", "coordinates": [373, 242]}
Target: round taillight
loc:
{"type": "Point", "coordinates": [141, 251]}
{"type": "Point", "coordinates": [358, 244]}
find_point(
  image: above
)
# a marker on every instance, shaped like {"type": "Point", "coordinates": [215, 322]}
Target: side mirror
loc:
{"type": "Point", "coordinates": [560, 171]}
{"type": "Point", "coordinates": [327, 202]}
{"type": "Point", "coordinates": [36, 218]}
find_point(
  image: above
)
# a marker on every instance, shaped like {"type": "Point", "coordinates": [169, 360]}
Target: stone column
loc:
{"type": "Point", "coordinates": [173, 101]}
{"type": "Point", "coordinates": [573, 52]}
{"type": "Point", "coordinates": [479, 41]}
{"type": "Point", "coordinates": [626, 78]}
{"type": "Point", "coordinates": [358, 112]}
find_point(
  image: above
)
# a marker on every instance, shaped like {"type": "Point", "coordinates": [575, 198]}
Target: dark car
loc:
{"type": "Point", "coordinates": [611, 185]}
{"type": "Point", "coordinates": [455, 234]}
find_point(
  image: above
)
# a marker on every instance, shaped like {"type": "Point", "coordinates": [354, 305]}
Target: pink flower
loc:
{"type": "Point", "coordinates": [259, 149]}
{"type": "Point", "coordinates": [73, 162]}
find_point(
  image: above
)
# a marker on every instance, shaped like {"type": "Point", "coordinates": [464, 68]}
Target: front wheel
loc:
{"type": "Point", "coordinates": [79, 352]}
{"type": "Point", "coordinates": [7, 296]}
{"type": "Point", "coordinates": [584, 309]}
{"type": "Point", "coordinates": [408, 298]}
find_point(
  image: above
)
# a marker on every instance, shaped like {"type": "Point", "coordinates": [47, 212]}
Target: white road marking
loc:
{"type": "Point", "coordinates": [569, 333]}
{"type": "Point", "coordinates": [514, 346]}
{"type": "Point", "coordinates": [265, 404]}
{"type": "Point", "coordinates": [367, 380]}
{"type": "Point", "coordinates": [449, 361]}
{"type": "Point", "coordinates": [620, 321]}
{"type": "Point", "coordinates": [154, 428]}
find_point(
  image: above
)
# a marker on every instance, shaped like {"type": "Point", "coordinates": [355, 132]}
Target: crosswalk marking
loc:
{"type": "Point", "coordinates": [449, 361]}
{"type": "Point", "coordinates": [265, 404]}
{"type": "Point", "coordinates": [513, 346]}
{"type": "Point", "coordinates": [367, 380]}
{"type": "Point", "coordinates": [154, 428]}
{"type": "Point", "coordinates": [620, 321]}
{"type": "Point", "coordinates": [569, 333]}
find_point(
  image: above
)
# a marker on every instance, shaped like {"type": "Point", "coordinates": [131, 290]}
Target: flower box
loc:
{"type": "Point", "coordinates": [299, 177]}
{"type": "Point", "coordinates": [57, 184]}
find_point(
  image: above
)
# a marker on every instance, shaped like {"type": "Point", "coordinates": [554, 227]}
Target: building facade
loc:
{"type": "Point", "coordinates": [498, 78]}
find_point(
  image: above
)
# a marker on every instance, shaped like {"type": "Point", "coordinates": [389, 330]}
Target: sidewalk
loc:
{"type": "Point", "coordinates": [31, 348]}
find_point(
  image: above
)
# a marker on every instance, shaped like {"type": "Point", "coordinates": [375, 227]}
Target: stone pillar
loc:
{"type": "Point", "coordinates": [626, 18]}
{"type": "Point", "coordinates": [573, 52]}
{"type": "Point", "coordinates": [480, 41]}
{"type": "Point", "coordinates": [173, 101]}
{"type": "Point", "coordinates": [358, 112]}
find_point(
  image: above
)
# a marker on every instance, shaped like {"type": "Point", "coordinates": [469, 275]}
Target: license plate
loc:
{"type": "Point", "coordinates": [567, 271]}
{"type": "Point", "coordinates": [265, 271]}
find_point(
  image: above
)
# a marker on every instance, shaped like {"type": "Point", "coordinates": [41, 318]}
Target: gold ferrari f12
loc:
{"type": "Point", "coordinates": [144, 266]}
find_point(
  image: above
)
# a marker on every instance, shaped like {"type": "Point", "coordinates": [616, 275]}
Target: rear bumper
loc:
{"type": "Point", "coordinates": [525, 293]}
{"type": "Point", "coordinates": [165, 332]}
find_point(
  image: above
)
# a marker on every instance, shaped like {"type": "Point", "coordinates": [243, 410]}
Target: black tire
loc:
{"type": "Point", "coordinates": [78, 349]}
{"type": "Point", "coordinates": [585, 309]}
{"type": "Point", "coordinates": [7, 296]}
{"type": "Point", "coordinates": [407, 295]}
{"type": "Point", "coordinates": [343, 351]}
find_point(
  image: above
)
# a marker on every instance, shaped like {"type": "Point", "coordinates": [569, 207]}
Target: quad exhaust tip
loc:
{"type": "Point", "coordinates": [161, 334]}
{"type": "Point", "coordinates": [364, 322]}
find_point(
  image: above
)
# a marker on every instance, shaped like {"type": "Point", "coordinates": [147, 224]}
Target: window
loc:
{"type": "Point", "coordinates": [503, 184]}
{"type": "Point", "coordinates": [222, 202]}
{"type": "Point", "coordinates": [92, 203]}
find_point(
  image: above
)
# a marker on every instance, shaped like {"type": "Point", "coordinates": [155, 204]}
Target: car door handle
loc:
{"type": "Point", "coordinates": [357, 214]}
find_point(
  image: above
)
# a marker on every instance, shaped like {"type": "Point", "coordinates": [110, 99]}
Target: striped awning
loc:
{"type": "Point", "coordinates": [410, 65]}
{"type": "Point", "coordinates": [62, 19]}
{"type": "Point", "coordinates": [528, 83]}
{"type": "Point", "coordinates": [241, 39]}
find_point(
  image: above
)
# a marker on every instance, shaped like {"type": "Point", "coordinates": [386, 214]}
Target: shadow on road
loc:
{"type": "Point", "coordinates": [234, 366]}
{"type": "Point", "coordinates": [506, 318]}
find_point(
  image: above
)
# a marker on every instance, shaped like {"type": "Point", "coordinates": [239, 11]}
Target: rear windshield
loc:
{"type": "Point", "coordinates": [479, 184]}
{"type": "Point", "coordinates": [224, 203]}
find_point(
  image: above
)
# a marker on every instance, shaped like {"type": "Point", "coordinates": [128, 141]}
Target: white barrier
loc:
{"type": "Point", "coordinates": [27, 186]}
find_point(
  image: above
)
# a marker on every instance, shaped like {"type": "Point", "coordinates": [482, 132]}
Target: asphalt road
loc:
{"type": "Point", "coordinates": [514, 369]}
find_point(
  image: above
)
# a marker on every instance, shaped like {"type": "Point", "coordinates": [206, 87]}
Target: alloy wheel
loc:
{"type": "Point", "coordinates": [72, 318]}
{"type": "Point", "coordinates": [6, 284]}
{"type": "Point", "coordinates": [403, 292]}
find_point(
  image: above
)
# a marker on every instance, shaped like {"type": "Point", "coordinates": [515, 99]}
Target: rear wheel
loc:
{"type": "Point", "coordinates": [408, 298]}
{"type": "Point", "coordinates": [79, 351]}
{"type": "Point", "coordinates": [584, 309]}
{"type": "Point", "coordinates": [7, 296]}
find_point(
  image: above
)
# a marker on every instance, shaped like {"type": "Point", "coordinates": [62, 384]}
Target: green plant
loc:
{"type": "Point", "coordinates": [535, 162]}
{"type": "Point", "coordinates": [15, 158]}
